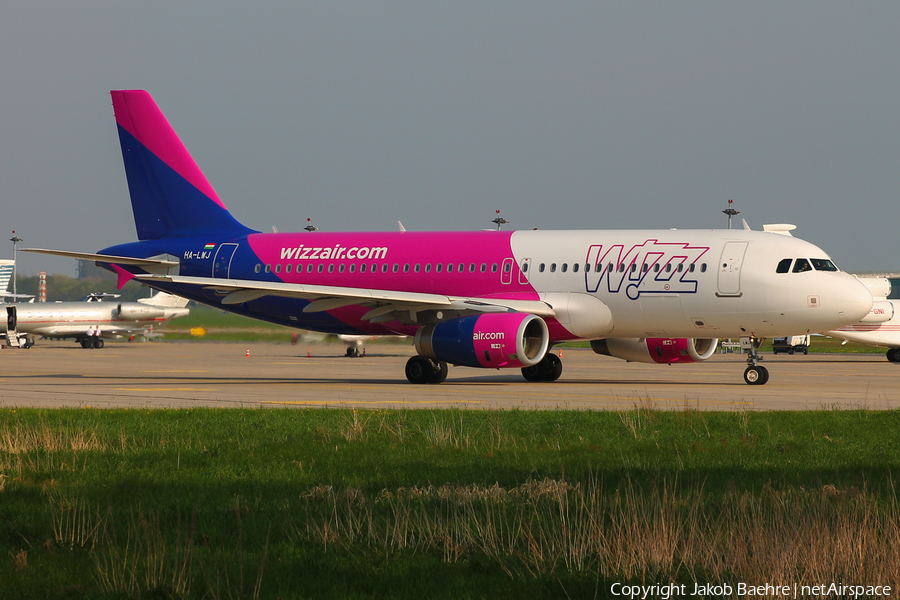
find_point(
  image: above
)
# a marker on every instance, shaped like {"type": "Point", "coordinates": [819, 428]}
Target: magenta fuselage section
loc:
{"type": "Point", "coordinates": [432, 262]}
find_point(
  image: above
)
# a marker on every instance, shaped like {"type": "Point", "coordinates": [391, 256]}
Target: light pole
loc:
{"type": "Point", "coordinates": [730, 212]}
{"type": "Point", "coordinates": [15, 240]}
{"type": "Point", "coordinates": [499, 220]}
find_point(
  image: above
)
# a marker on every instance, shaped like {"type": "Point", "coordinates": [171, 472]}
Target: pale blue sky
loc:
{"type": "Point", "coordinates": [564, 115]}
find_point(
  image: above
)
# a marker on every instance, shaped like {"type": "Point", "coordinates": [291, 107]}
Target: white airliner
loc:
{"type": "Point", "coordinates": [489, 299]}
{"type": "Point", "coordinates": [90, 320]}
{"type": "Point", "coordinates": [881, 327]}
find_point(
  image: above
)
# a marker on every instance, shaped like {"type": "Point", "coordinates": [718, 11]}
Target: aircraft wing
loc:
{"type": "Point", "coordinates": [385, 303]}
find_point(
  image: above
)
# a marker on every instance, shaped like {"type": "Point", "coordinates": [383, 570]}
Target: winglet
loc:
{"type": "Point", "coordinates": [123, 276]}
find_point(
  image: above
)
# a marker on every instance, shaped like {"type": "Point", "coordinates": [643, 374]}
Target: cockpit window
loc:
{"type": "Point", "coordinates": [821, 264]}
{"type": "Point", "coordinates": [784, 266]}
{"type": "Point", "coordinates": [802, 265]}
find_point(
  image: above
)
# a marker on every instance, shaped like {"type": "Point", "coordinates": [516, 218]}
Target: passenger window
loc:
{"type": "Point", "coordinates": [331, 268]}
{"type": "Point", "coordinates": [703, 268]}
{"type": "Point", "coordinates": [680, 267]}
{"type": "Point", "coordinates": [668, 267]}
{"type": "Point", "coordinates": [362, 268]}
{"type": "Point", "coordinates": [483, 267]}
{"type": "Point", "coordinates": [437, 268]}
{"type": "Point", "coordinates": [821, 264]}
{"type": "Point", "coordinates": [524, 266]}
{"type": "Point", "coordinates": [565, 267]}
{"type": "Point", "coordinates": [553, 267]}
{"type": "Point", "coordinates": [656, 267]}
{"type": "Point", "coordinates": [417, 268]}
{"type": "Point", "coordinates": [802, 265]}
{"type": "Point", "coordinates": [395, 268]}
{"type": "Point", "coordinates": [494, 268]}
{"type": "Point", "coordinates": [575, 268]}
{"type": "Point", "coordinates": [506, 267]}
{"type": "Point", "coordinates": [461, 268]}
{"type": "Point", "coordinates": [692, 267]}
{"type": "Point", "coordinates": [309, 269]}
{"type": "Point", "coordinates": [374, 268]}
{"type": "Point", "coordinates": [278, 268]}
{"type": "Point", "coordinates": [287, 268]}
{"type": "Point", "coordinates": [644, 267]}
{"type": "Point", "coordinates": [257, 268]}
{"type": "Point", "coordinates": [406, 268]}
{"type": "Point", "coordinates": [471, 267]}
{"type": "Point", "coordinates": [784, 266]}
{"type": "Point", "coordinates": [449, 267]}
{"type": "Point", "coordinates": [384, 268]}
{"type": "Point", "coordinates": [541, 268]}
{"type": "Point", "coordinates": [320, 269]}
{"type": "Point", "coordinates": [341, 268]}
{"type": "Point", "coordinates": [633, 267]}
{"type": "Point", "coordinates": [352, 268]}
{"type": "Point", "coordinates": [428, 267]}
{"type": "Point", "coordinates": [268, 268]}
{"type": "Point", "coordinates": [622, 268]}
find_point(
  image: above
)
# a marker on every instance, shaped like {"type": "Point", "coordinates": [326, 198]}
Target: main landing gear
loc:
{"type": "Point", "coordinates": [91, 342]}
{"type": "Point", "coordinates": [424, 370]}
{"type": "Point", "coordinates": [755, 374]}
{"type": "Point", "coordinates": [893, 355]}
{"type": "Point", "coordinates": [549, 369]}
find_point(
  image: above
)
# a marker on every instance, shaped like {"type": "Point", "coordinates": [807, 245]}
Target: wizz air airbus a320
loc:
{"type": "Point", "coordinates": [490, 299]}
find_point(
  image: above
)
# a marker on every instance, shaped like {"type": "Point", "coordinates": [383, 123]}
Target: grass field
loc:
{"type": "Point", "coordinates": [440, 504]}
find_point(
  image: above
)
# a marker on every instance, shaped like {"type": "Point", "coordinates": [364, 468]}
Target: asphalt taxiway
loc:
{"type": "Point", "coordinates": [209, 374]}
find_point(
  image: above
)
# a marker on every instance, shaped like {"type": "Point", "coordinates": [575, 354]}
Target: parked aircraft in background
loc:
{"type": "Point", "coordinates": [881, 327]}
{"type": "Point", "coordinates": [490, 299]}
{"type": "Point", "coordinates": [90, 320]}
{"type": "Point", "coordinates": [7, 267]}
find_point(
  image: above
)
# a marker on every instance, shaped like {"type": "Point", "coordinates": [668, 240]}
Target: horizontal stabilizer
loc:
{"type": "Point", "coordinates": [105, 258]}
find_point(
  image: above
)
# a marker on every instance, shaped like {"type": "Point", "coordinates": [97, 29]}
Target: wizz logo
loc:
{"type": "Point", "coordinates": [648, 267]}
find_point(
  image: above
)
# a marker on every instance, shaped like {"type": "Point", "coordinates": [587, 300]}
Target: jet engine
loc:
{"type": "Point", "coordinates": [135, 312]}
{"type": "Point", "coordinates": [657, 350]}
{"type": "Point", "coordinates": [491, 340]}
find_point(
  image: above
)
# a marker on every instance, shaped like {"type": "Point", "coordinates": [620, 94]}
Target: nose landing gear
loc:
{"type": "Point", "coordinates": [755, 374]}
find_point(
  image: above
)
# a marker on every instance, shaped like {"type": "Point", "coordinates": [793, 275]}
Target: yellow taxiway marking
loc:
{"type": "Point", "coordinates": [342, 401]}
{"type": "Point", "coordinates": [180, 371]}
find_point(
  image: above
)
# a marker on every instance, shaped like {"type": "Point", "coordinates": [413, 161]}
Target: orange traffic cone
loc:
{"type": "Point", "coordinates": [248, 352]}
{"type": "Point", "coordinates": [308, 353]}
{"type": "Point", "coordinates": [364, 351]}
{"type": "Point", "coordinates": [560, 352]}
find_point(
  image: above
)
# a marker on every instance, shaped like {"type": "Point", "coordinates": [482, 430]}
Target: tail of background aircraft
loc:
{"type": "Point", "coordinates": [163, 299]}
{"type": "Point", "coordinates": [170, 196]}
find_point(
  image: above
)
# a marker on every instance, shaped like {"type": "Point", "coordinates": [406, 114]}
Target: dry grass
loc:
{"type": "Point", "coordinates": [543, 527]}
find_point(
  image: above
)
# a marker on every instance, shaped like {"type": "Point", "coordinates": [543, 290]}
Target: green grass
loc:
{"type": "Point", "coordinates": [442, 504]}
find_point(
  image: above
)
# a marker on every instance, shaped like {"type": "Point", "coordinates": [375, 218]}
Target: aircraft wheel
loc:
{"type": "Point", "coordinates": [893, 355]}
{"type": "Point", "coordinates": [549, 369]}
{"type": "Point", "coordinates": [532, 373]}
{"type": "Point", "coordinates": [352, 352]}
{"type": "Point", "coordinates": [440, 372]}
{"type": "Point", "coordinates": [98, 343]}
{"type": "Point", "coordinates": [423, 370]}
{"type": "Point", "coordinates": [756, 375]}
{"type": "Point", "coordinates": [85, 342]}
{"type": "Point", "coordinates": [554, 367]}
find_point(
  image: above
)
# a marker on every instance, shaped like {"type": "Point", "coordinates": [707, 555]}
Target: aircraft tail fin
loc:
{"type": "Point", "coordinates": [170, 196]}
{"type": "Point", "coordinates": [163, 299]}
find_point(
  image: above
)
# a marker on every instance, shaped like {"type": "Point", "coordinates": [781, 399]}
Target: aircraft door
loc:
{"type": "Point", "coordinates": [12, 320]}
{"type": "Point", "coordinates": [730, 268]}
{"type": "Point", "coordinates": [222, 261]}
{"type": "Point", "coordinates": [506, 271]}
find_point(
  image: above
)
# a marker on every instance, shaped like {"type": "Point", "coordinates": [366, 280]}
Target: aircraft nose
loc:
{"type": "Point", "coordinates": [853, 300]}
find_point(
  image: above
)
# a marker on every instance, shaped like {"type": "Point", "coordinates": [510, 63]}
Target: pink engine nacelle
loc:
{"type": "Point", "coordinates": [657, 350]}
{"type": "Point", "coordinates": [491, 340]}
